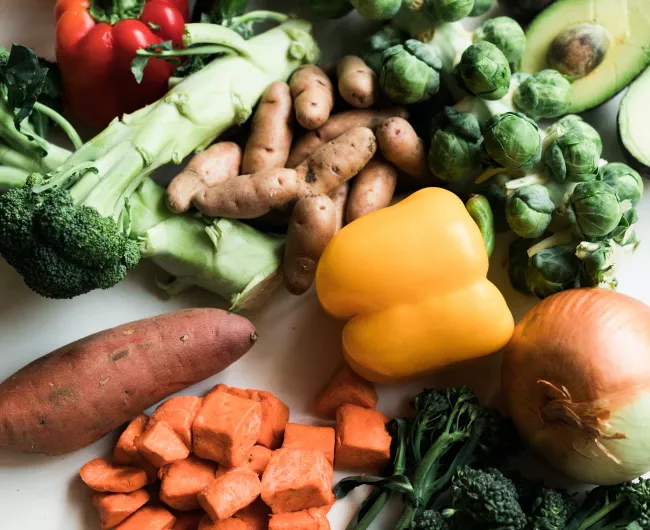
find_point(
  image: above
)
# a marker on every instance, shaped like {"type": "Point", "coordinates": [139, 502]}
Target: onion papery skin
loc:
{"type": "Point", "coordinates": [576, 379]}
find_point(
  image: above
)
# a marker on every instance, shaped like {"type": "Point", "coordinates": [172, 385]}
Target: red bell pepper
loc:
{"type": "Point", "coordinates": [96, 40]}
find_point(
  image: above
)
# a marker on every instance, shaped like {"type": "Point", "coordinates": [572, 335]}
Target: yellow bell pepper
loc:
{"type": "Point", "coordinates": [412, 280]}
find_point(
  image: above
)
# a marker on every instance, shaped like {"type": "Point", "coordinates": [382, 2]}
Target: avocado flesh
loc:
{"type": "Point", "coordinates": [633, 123]}
{"type": "Point", "coordinates": [627, 21]}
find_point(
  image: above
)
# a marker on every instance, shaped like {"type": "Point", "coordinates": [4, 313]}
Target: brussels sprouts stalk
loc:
{"type": "Point", "coordinates": [528, 180]}
{"type": "Point", "coordinates": [563, 237]}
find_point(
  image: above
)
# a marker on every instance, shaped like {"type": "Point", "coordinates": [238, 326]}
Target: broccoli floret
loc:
{"type": "Point", "coordinates": [486, 497]}
{"type": "Point", "coordinates": [545, 508]}
{"type": "Point", "coordinates": [498, 439]}
{"type": "Point", "coordinates": [61, 248]}
{"type": "Point", "coordinates": [430, 520]}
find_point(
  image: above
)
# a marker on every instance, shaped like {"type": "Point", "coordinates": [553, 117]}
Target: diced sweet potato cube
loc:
{"type": "Point", "coordinates": [226, 428]}
{"type": "Point", "coordinates": [297, 479]}
{"type": "Point", "coordinates": [113, 508]}
{"type": "Point", "coordinates": [182, 481]}
{"type": "Point", "coordinates": [254, 517]}
{"type": "Point", "coordinates": [239, 392]}
{"type": "Point", "coordinates": [160, 445]}
{"type": "Point", "coordinates": [126, 453]}
{"type": "Point", "coordinates": [179, 413]}
{"type": "Point", "coordinates": [362, 440]}
{"type": "Point", "coordinates": [346, 386]}
{"type": "Point", "coordinates": [220, 388]}
{"type": "Point", "coordinates": [231, 492]}
{"type": "Point", "coordinates": [275, 415]}
{"type": "Point", "coordinates": [188, 520]}
{"type": "Point", "coordinates": [311, 519]}
{"type": "Point", "coordinates": [149, 518]}
{"type": "Point", "coordinates": [257, 460]}
{"type": "Point", "coordinates": [298, 436]}
{"type": "Point", "coordinates": [226, 524]}
{"type": "Point", "coordinates": [101, 475]}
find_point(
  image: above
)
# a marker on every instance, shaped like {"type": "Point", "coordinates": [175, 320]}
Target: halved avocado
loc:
{"type": "Point", "coordinates": [633, 123]}
{"type": "Point", "coordinates": [603, 44]}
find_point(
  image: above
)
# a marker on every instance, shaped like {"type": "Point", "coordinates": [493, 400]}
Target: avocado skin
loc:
{"type": "Point", "coordinates": [524, 10]}
{"type": "Point", "coordinates": [630, 160]}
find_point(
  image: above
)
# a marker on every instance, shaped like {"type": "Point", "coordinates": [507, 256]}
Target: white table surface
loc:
{"type": "Point", "coordinates": [298, 347]}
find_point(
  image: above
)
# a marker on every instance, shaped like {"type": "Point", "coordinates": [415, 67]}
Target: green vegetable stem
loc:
{"type": "Point", "coordinates": [479, 209]}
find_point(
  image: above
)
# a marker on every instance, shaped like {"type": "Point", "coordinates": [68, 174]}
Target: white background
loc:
{"type": "Point", "coordinates": [298, 347]}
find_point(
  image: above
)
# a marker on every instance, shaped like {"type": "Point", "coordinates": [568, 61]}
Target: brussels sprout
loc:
{"type": "Point", "coordinates": [627, 182]}
{"type": "Point", "coordinates": [494, 191]}
{"type": "Point", "coordinates": [512, 140]}
{"type": "Point", "coordinates": [594, 209]}
{"type": "Point", "coordinates": [506, 34]}
{"type": "Point", "coordinates": [546, 94]}
{"type": "Point", "coordinates": [450, 10]}
{"type": "Point", "coordinates": [575, 122]}
{"type": "Point", "coordinates": [455, 145]}
{"type": "Point", "coordinates": [332, 9]}
{"type": "Point", "coordinates": [597, 265]}
{"type": "Point", "coordinates": [409, 72]}
{"type": "Point", "coordinates": [579, 49]}
{"type": "Point", "coordinates": [376, 9]}
{"type": "Point", "coordinates": [625, 232]}
{"type": "Point", "coordinates": [377, 44]}
{"type": "Point", "coordinates": [553, 270]}
{"type": "Point", "coordinates": [529, 211]}
{"type": "Point", "coordinates": [484, 71]}
{"type": "Point", "coordinates": [480, 8]}
{"type": "Point", "coordinates": [574, 157]}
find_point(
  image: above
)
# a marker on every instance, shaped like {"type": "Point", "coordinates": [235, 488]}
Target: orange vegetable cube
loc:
{"type": "Point", "coordinates": [125, 450]}
{"type": "Point", "coordinates": [346, 386]}
{"type": "Point", "coordinates": [226, 524]}
{"type": "Point", "coordinates": [113, 508]}
{"type": "Point", "coordinates": [101, 475]}
{"type": "Point", "coordinates": [220, 388]}
{"type": "Point", "coordinates": [149, 518]}
{"type": "Point", "coordinates": [231, 492]}
{"type": "Point", "coordinates": [257, 460]}
{"type": "Point", "coordinates": [226, 428]}
{"type": "Point", "coordinates": [275, 415]}
{"type": "Point", "coordinates": [297, 479]}
{"type": "Point", "coordinates": [160, 445]}
{"type": "Point", "coordinates": [311, 519]}
{"type": "Point", "coordinates": [182, 481]}
{"type": "Point", "coordinates": [255, 515]}
{"type": "Point", "coordinates": [298, 436]}
{"type": "Point", "coordinates": [188, 521]}
{"type": "Point", "coordinates": [179, 413]}
{"type": "Point", "coordinates": [362, 440]}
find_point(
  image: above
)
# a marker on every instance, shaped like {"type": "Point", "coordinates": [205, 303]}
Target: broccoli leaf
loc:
{"type": "Point", "coordinates": [140, 62]}
{"type": "Point", "coordinates": [51, 96]}
{"type": "Point", "coordinates": [397, 483]}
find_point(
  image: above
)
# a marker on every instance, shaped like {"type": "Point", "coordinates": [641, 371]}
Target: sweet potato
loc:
{"type": "Point", "coordinates": [231, 492]}
{"type": "Point", "coordinates": [372, 189]}
{"type": "Point", "coordinates": [313, 96]}
{"type": "Point", "coordinates": [214, 166]}
{"type": "Point", "coordinates": [226, 428]}
{"type": "Point", "coordinates": [340, 199]}
{"type": "Point", "coordinates": [336, 162]}
{"type": "Point", "coordinates": [249, 196]}
{"type": "Point", "coordinates": [113, 508]}
{"type": "Point", "coordinates": [125, 452]}
{"type": "Point", "coordinates": [357, 82]}
{"type": "Point", "coordinates": [271, 133]}
{"type": "Point", "coordinates": [297, 479]}
{"type": "Point", "coordinates": [182, 481]}
{"type": "Point", "coordinates": [149, 518]}
{"type": "Point", "coordinates": [298, 436]}
{"type": "Point", "coordinates": [335, 127]}
{"type": "Point", "coordinates": [188, 521]}
{"type": "Point", "coordinates": [400, 144]}
{"type": "Point", "coordinates": [179, 413]}
{"type": "Point", "coordinates": [160, 445]}
{"type": "Point", "coordinates": [257, 460]}
{"type": "Point", "coordinates": [255, 515]}
{"type": "Point", "coordinates": [311, 519]}
{"type": "Point", "coordinates": [312, 226]}
{"type": "Point", "coordinates": [77, 394]}
{"type": "Point", "coordinates": [226, 524]}
{"type": "Point", "coordinates": [362, 440]}
{"type": "Point", "coordinates": [102, 476]}
{"type": "Point", "coordinates": [346, 386]}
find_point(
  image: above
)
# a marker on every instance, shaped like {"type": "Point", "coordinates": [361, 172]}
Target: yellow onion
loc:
{"type": "Point", "coordinates": [576, 378]}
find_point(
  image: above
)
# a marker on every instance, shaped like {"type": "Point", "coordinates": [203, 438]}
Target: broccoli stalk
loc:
{"type": "Point", "coordinates": [70, 232]}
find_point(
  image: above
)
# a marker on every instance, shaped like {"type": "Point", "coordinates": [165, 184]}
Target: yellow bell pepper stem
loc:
{"type": "Point", "coordinates": [412, 281]}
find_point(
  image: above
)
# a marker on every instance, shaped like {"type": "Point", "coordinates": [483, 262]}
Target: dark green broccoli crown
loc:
{"type": "Point", "coordinates": [430, 520]}
{"type": "Point", "coordinates": [498, 438]}
{"type": "Point", "coordinates": [488, 497]}
{"type": "Point", "coordinates": [60, 249]}
{"type": "Point", "coordinates": [638, 495]}
{"type": "Point", "coordinates": [546, 508]}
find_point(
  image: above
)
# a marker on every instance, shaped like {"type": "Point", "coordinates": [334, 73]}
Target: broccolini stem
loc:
{"type": "Point", "coordinates": [378, 500]}
{"type": "Point", "coordinates": [600, 514]}
{"type": "Point", "coordinates": [65, 125]}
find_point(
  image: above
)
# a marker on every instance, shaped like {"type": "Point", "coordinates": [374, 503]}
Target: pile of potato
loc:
{"type": "Point", "coordinates": [343, 166]}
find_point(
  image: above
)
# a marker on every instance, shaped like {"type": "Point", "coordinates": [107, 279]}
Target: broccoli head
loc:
{"type": "Point", "coordinates": [62, 249]}
{"type": "Point", "coordinates": [430, 520]}
{"type": "Point", "coordinates": [545, 508]}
